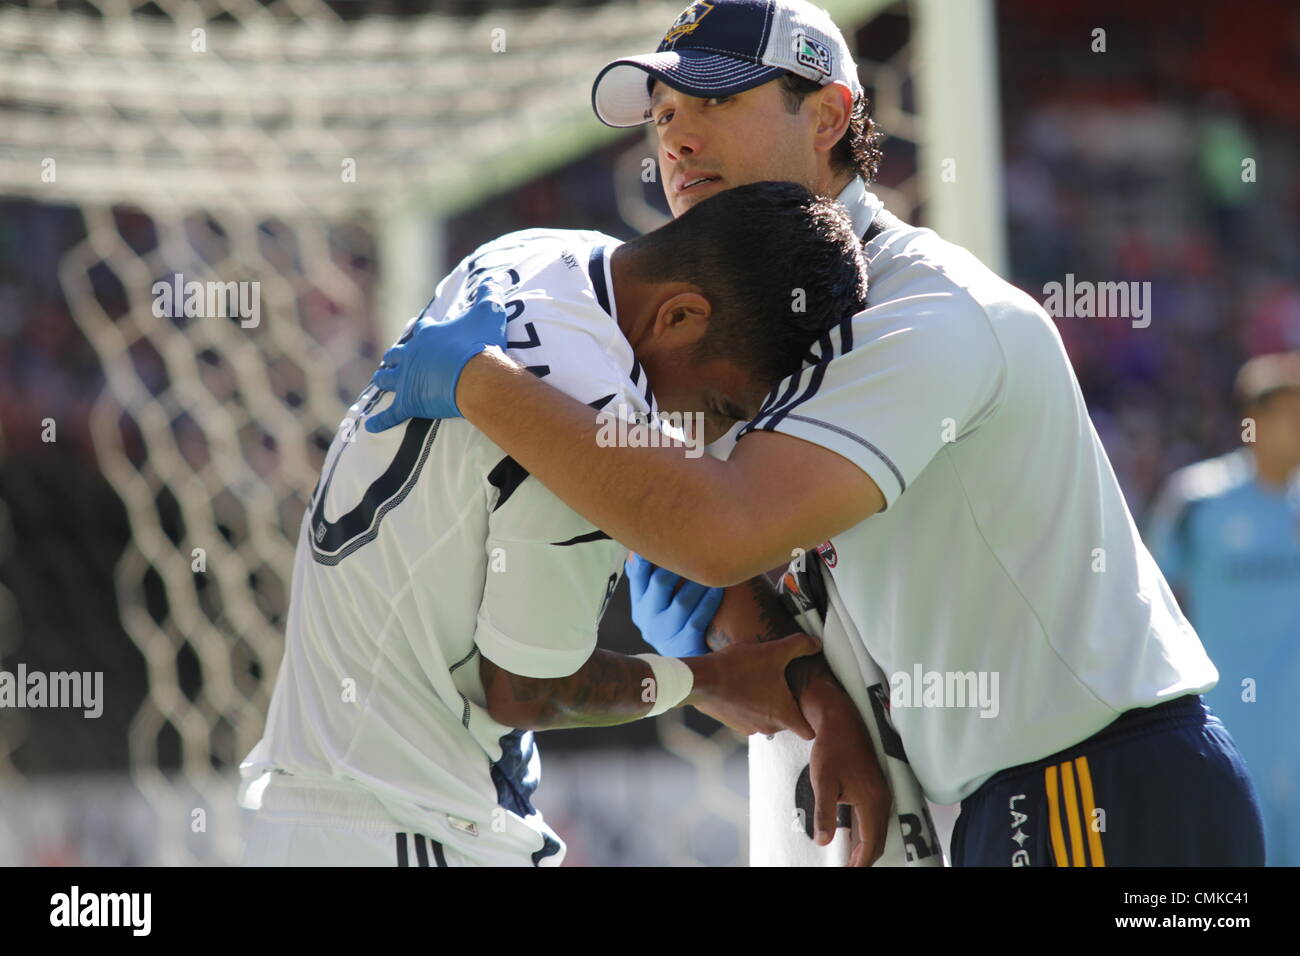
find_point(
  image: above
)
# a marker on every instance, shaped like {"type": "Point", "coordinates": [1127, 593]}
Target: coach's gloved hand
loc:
{"type": "Point", "coordinates": [422, 369]}
{"type": "Point", "coordinates": [673, 624]}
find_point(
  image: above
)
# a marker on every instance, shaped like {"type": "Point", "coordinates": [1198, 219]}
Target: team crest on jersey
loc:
{"type": "Point", "coordinates": [812, 53]}
{"type": "Point", "coordinates": [685, 24]}
{"type": "Point", "coordinates": [827, 551]}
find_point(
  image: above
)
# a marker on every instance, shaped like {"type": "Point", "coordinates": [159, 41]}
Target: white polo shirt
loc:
{"type": "Point", "coordinates": [1005, 550]}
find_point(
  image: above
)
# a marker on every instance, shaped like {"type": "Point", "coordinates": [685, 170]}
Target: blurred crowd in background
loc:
{"type": "Point", "coordinates": [1122, 166]}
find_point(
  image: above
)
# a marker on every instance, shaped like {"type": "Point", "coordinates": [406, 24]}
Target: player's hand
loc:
{"type": "Point", "coordinates": [744, 686]}
{"type": "Point", "coordinates": [844, 769]}
{"type": "Point", "coordinates": [422, 369]}
{"type": "Point", "coordinates": [671, 621]}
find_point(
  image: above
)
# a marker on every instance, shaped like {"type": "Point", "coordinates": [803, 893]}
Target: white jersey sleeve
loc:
{"type": "Point", "coordinates": [549, 576]}
{"type": "Point", "coordinates": [891, 387]}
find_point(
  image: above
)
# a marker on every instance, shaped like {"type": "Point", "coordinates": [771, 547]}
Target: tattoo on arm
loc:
{"type": "Point", "coordinates": [604, 691]}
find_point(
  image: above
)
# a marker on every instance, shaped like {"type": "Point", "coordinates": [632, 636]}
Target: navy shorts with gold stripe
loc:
{"type": "Point", "coordinates": [1160, 786]}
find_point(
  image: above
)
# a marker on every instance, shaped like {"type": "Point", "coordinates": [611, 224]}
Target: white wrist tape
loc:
{"type": "Point", "coordinates": [673, 682]}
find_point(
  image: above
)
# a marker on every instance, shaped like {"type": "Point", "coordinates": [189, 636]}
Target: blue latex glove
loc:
{"type": "Point", "coordinates": [424, 367]}
{"type": "Point", "coordinates": [673, 624]}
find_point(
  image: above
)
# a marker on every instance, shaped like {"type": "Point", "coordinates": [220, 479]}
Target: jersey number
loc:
{"type": "Point", "coordinates": [332, 541]}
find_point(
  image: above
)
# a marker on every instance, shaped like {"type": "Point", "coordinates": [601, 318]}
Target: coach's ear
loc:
{"type": "Point", "coordinates": [682, 320]}
{"type": "Point", "coordinates": [833, 109]}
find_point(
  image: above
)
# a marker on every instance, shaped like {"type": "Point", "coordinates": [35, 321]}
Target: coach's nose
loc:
{"type": "Point", "coordinates": [679, 141]}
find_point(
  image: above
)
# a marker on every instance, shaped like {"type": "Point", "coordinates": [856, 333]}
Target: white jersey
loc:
{"type": "Point", "coordinates": [425, 546]}
{"type": "Point", "coordinates": [1005, 550]}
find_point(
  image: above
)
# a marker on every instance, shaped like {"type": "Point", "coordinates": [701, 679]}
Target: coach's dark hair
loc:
{"type": "Point", "coordinates": [859, 149]}
{"type": "Point", "coordinates": [778, 265]}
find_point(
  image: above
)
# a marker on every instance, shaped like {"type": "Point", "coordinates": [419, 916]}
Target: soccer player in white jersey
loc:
{"type": "Point", "coordinates": [938, 450]}
{"type": "Point", "coordinates": [445, 604]}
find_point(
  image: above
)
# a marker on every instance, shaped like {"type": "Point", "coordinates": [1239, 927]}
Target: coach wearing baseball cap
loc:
{"type": "Point", "coordinates": [723, 48]}
{"type": "Point", "coordinates": [937, 453]}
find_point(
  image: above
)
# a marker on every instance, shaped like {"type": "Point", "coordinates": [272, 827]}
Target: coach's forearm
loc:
{"type": "Point", "coordinates": [685, 514]}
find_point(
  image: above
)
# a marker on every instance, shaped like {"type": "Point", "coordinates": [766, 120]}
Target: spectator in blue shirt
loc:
{"type": "Point", "coordinates": [1226, 533]}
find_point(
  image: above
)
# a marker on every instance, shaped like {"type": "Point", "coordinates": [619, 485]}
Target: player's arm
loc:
{"type": "Point", "coordinates": [547, 580]}
{"type": "Point", "coordinates": [717, 522]}
{"type": "Point", "coordinates": [684, 618]}
{"type": "Point", "coordinates": [615, 689]}
{"type": "Point", "coordinates": [679, 618]}
{"type": "Point", "coordinates": [844, 768]}
{"type": "Point", "coordinates": [752, 613]}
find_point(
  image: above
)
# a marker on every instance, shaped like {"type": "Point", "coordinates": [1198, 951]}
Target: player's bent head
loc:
{"type": "Point", "coordinates": [778, 266]}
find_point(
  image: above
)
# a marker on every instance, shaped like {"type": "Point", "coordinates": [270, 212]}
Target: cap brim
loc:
{"type": "Point", "coordinates": [621, 96]}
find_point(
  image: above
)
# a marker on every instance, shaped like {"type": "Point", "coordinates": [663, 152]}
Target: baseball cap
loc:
{"type": "Point", "coordinates": [721, 47]}
{"type": "Point", "coordinates": [1264, 375]}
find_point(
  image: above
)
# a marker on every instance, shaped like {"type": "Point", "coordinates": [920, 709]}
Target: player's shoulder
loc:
{"type": "Point", "coordinates": [1199, 489]}
{"type": "Point", "coordinates": [562, 314]}
{"type": "Point", "coordinates": [1211, 478]}
{"type": "Point", "coordinates": [934, 296]}
{"type": "Point", "coordinates": [563, 263]}
{"type": "Point", "coordinates": [546, 242]}
{"type": "Point", "coordinates": [567, 266]}
{"type": "Point", "coordinates": [526, 252]}
{"type": "Point", "coordinates": [915, 267]}
{"type": "Point", "coordinates": [920, 259]}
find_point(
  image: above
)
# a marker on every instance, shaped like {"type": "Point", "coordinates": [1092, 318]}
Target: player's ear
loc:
{"type": "Point", "coordinates": [682, 320]}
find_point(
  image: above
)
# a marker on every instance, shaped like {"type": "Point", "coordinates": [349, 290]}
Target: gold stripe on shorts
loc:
{"type": "Point", "coordinates": [1089, 811]}
{"type": "Point", "coordinates": [1071, 798]}
{"type": "Point", "coordinates": [1054, 816]}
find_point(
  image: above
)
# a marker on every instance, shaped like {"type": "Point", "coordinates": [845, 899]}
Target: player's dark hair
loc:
{"type": "Point", "coordinates": [778, 265]}
{"type": "Point", "coordinates": [858, 150]}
